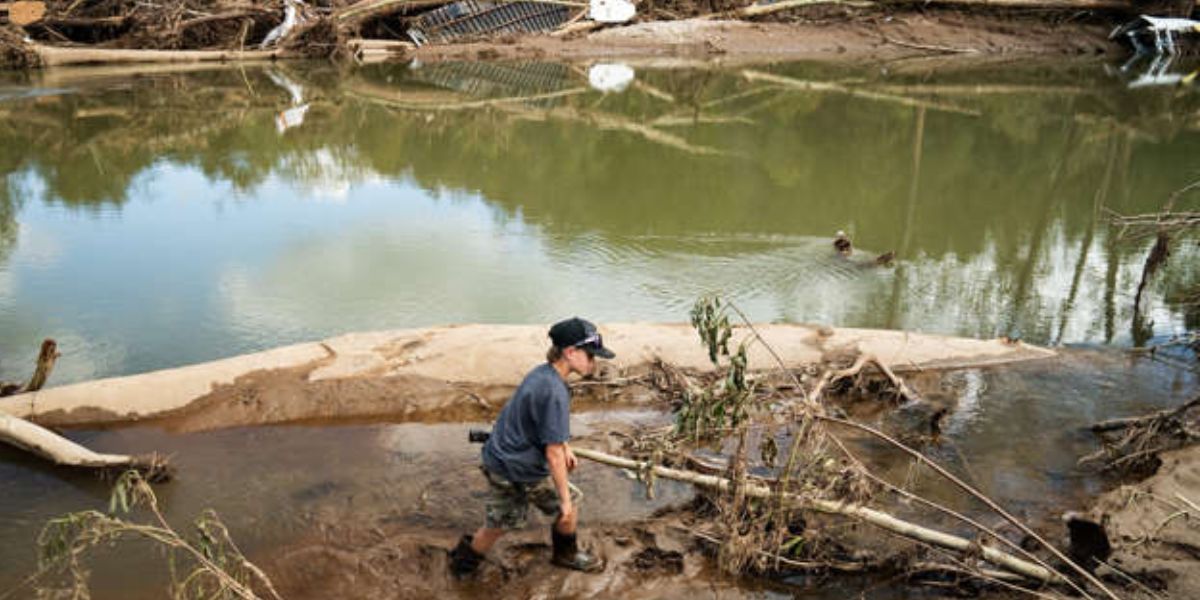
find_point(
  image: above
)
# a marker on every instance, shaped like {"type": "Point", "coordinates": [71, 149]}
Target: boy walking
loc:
{"type": "Point", "coordinates": [526, 459]}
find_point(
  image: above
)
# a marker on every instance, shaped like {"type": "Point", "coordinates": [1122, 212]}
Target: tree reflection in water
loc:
{"type": "Point", "coordinates": [990, 183]}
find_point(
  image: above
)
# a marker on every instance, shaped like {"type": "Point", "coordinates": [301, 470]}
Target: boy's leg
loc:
{"type": "Point", "coordinates": [485, 538]}
{"type": "Point", "coordinates": [506, 508]}
{"type": "Point", "coordinates": [563, 532]}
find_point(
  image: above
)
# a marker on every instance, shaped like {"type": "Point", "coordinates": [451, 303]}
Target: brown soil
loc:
{"type": "Point", "coordinates": [643, 560]}
{"type": "Point", "coordinates": [656, 557]}
{"type": "Point", "coordinates": [1154, 525]}
{"type": "Point", "coordinates": [842, 36]}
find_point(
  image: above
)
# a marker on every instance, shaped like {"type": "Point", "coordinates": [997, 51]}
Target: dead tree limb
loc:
{"type": "Point", "coordinates": [41, 372]}
{"type": "Point", "coordinates": [45, 364]}
{"type": "Point", "coordinates": [869, 515]}
{"type": "Point", "coordinates": [46, 444]}
{"type": "Point", "coordinates": [52, 56]}
{"type": "Point", "coordinates": [812, 407]}
{"type": "Point", "coordinates": [1124, 422]}
{"type": "Point", "coordinates": [976, 494]}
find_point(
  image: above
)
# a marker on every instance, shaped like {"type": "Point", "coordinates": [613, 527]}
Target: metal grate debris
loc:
{"type": "Point", "coordinates": [486, 79]}
{"type": "Point", "coordinates": [474, 18]}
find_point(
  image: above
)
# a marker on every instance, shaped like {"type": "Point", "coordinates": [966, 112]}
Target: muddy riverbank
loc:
{"type": "Point", "coordinates": [338, 508]}
{"type": "Point", "coordinates": [443, 372]}
{"type": "Point", "coordinates": [861, 32]}
{"type": "Point", "coordinates": [835, 36]}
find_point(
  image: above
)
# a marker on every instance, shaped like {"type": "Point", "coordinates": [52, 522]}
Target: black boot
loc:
{"type": "Point", "coordinates": [568, 555]}
{"type": "Point", "coordinates": [463, 558]}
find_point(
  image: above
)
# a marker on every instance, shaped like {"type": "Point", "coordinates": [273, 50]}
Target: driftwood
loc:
{"type": "Point", "coordinates": [53, 56]}
{"type": "Point", "coordinates": [1134, 443]}
{"type": "Point", "coordinates": [1124, 422]}
{"type": "Point", "coordinates": [874, 517]}
{"type": "Point", "coordinates": [49, 445]}
{"type": "Point", "coordinates": [42, 442]}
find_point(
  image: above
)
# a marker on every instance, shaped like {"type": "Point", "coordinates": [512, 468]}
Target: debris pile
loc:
{"type": "Point", "coordinates": [1133, 444]}
{"type": "Point", "coordinates": [87, 31]}
{"type": "Point", "coordinates": [93, 31]}
{"type": "Point", "coordinates": [782, 467]}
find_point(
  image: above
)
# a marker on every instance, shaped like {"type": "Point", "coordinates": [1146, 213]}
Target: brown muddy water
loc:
{"type": "Point", "coordinates": [153, 219]}
{"type": "Point", "coordinates": [1015, 433]}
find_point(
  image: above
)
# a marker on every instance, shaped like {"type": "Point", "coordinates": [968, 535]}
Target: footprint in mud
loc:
{"type": "Point", "coordinates": [316, 491]}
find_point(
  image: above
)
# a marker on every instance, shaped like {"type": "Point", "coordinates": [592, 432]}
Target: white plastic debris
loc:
{"type": "Point", "coordinates": [611, 11]}
{"type": "Point", "coordinates": [610, 77]}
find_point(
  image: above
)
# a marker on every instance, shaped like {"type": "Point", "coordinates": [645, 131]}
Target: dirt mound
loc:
{"type": "Point", "coordinates": [1154, 525]}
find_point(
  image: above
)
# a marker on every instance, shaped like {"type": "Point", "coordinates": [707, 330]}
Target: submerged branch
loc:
{"type": "Point", "coordinates": [869, 515]}
{"type": "Point", "coordinates": [49, 445]}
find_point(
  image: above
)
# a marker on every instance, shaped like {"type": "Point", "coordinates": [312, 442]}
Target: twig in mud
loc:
{"type": "Point", "coordinates": [1189, 503]}
{"type": "Point", "coordinates": [931, 47]}
{"type": "Point", "coordinates": [845, 567]}
{"type": "Point", "coordinates": [1131, 579]}
{"type": "Point", "coordinates": [1000, 578]}
{"type": "Point", "coordinates": [958, 516]}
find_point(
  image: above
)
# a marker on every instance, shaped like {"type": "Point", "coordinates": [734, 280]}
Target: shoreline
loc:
{"type": "Point", "coordinates": [870, 37]}
{"type": "Point", "coordinates": [445, 372]}
{"type": "Point", "coordinates": [835, 33]}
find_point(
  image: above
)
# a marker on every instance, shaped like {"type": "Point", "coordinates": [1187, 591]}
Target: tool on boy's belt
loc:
{"type": "Point", "coordinates": [478, 436]}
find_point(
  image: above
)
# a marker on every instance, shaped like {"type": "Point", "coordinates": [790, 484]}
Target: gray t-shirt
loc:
{"type": "Point", "coordinates": [537, 415]}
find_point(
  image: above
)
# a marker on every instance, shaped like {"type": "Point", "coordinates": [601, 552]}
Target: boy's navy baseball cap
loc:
{"type": "Point", "coordinates": [579, 333]}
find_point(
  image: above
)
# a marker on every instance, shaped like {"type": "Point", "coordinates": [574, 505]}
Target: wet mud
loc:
{"type": "Point", "coordinates": [336, 509]}
{"type": "Point", "coordinates": [830, 35]}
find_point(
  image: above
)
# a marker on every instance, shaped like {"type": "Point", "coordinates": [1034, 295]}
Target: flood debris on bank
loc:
{"type": "Point", "coordinates": [1147, 530]}
{"type": "Point", "coordinates": [791, 458]}
{"type": "Point", "coordinates": [55, 32]}
{"type": "Point", "coordinates": [785, 468]}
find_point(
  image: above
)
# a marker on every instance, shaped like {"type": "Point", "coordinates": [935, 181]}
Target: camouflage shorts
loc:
{"type": "Point", "coordinates": [508, 502]}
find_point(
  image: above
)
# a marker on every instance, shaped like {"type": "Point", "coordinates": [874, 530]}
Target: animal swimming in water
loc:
{"type": "Point", "coordinates": [844, 248]}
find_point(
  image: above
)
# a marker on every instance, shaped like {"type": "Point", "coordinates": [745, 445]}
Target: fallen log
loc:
{"type": "Point", "coordinates": [49, 445]}
{"type": "Point", "coordinates": [52, 56]}
{"type": "Point", "coordinates": [874, 517]}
